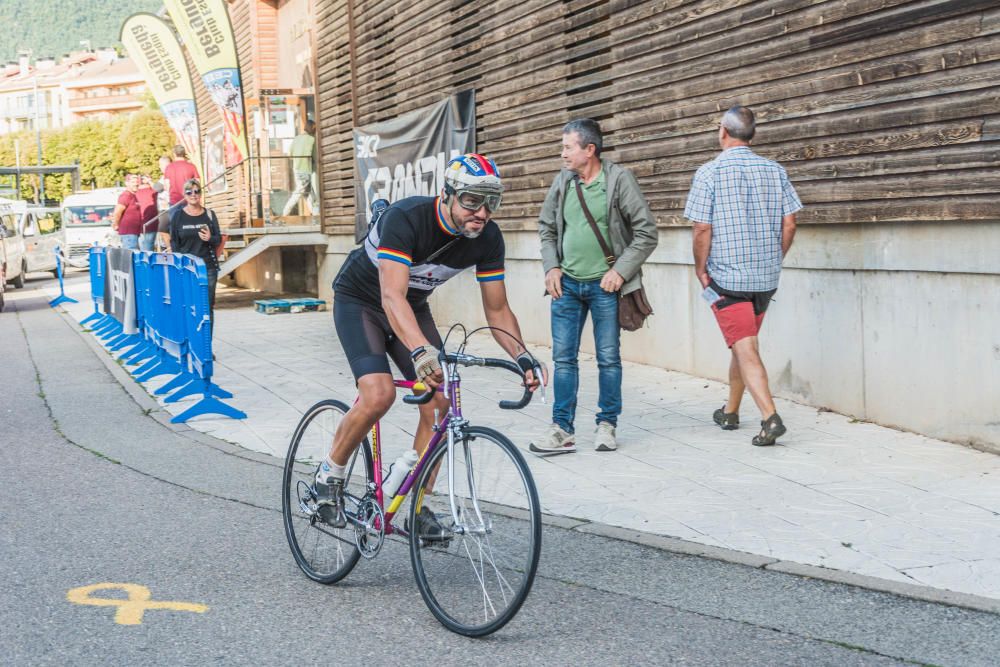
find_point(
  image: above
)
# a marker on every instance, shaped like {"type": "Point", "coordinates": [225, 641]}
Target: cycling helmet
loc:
{"type": "Point", "coordinates": [475, 180]}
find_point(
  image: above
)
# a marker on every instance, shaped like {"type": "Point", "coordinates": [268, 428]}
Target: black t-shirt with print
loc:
{"type": "Point", "coordinates": [184, 237]}
{"type": "Point", "coordinates": [411, 232]}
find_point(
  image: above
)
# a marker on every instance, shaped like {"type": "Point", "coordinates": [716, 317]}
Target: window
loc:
{"type": "Point", "coordinates": [48, 223]}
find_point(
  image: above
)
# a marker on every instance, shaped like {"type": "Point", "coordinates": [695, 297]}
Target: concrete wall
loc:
{"type": "Point", "coordinates": [282, 269]}
{"type": "Point", "coordinates": [262, 273]}
{"type": "Point", "coordinates": [897, 324]}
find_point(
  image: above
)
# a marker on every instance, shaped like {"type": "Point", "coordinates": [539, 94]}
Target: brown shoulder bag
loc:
{"type": "Point", "coordinates": [633, 308]}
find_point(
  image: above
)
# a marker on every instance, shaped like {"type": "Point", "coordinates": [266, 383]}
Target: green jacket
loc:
{"type": "Point", "coordinates": [630, 223]}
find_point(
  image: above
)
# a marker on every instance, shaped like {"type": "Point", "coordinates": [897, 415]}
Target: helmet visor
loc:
{"type": "Point", "coordinates": [473, 200]}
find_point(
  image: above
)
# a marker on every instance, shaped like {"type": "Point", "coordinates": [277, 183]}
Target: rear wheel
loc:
{"type": "Point", "coordinates": [326, 554]}
{"type": "Point", "coordinates": [476, 581]}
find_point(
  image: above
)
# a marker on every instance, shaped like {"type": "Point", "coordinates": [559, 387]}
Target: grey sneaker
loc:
{"type": "Point", "coordinates": [556, 441]}
{"type": "Point", "coordinates": [605, 441]}
{"type": "Point", "coordinates": [330, 501]}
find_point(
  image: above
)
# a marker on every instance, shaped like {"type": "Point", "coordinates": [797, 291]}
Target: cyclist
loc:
{"type": "Point", "coordinates": [380, 310]}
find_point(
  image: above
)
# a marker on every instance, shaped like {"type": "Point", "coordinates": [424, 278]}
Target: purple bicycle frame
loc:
{"type": "Point", "coordinates": [440, 433]}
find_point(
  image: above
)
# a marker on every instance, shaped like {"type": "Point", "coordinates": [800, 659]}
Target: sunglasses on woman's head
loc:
{"type": "Point", "coordinates": [192, 192]}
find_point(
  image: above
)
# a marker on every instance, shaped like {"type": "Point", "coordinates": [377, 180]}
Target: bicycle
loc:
{"type": "Point", "coordinates": [491, 548]}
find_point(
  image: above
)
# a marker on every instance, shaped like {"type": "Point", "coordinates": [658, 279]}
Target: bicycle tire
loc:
{"type": "Point", "coordinates": [437, 566]}
{"type": "Point", "coordinates": [300, 467]}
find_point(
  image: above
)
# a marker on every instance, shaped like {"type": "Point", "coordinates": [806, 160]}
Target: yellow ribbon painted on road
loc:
{"type": "Point", "coordinates": [130, 610]}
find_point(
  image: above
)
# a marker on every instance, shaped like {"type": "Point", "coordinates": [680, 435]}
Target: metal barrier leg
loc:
{"type": "Point", "coordinates": [178, 382]}
{"type": "Point", "coordinates": [97, 324]}
{"type": "Point", "coordinates": [104, 327]}
{"type": "Point", "coordinates": [140, 353]}
{"type": "Point", "coordinates": [168, 367]}
{"type": "Point", "coordinates": [151, 364]}
{"type": "Point", "coordinates": [115, 341]}
{"type": "Point", "coordinates": [113, 332]}
{"type": "Point", "coordinates": [121, 343]}
{"type": "Point", "coordinates": [95, 316]}
{"type": "Point", "coordinates": [206, 406]}
{"type": "Point", "coordinates": [62, 298]}
{"type": "Point", "coordinates": [197, 386]}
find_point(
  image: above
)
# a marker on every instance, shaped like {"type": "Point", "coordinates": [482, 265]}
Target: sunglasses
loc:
{"type": "Point", "coordinates": [192, 192]}
{"type": "Point", "coordinates": [473, 201]}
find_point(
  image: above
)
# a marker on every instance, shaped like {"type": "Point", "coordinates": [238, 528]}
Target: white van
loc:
{"type": "Point", "coordinates": [86, 217]}
{"type": "Point", "coordinates": [15, 264]}
{"type": "Point", "coordinates": [42, 230]}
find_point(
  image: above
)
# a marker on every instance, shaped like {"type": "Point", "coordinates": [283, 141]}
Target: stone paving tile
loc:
{"type": "Point", "coordinates": [838, 493]}
{"type": "Point", "coordinates": [982, 574]}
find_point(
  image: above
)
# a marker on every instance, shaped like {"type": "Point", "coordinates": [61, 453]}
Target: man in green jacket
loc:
{"type": "Point", "coordinates": [580, 279]}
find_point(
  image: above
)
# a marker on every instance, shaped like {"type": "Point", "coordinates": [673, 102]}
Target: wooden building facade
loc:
{"type": "Point", "coordinates": [884, 112]}
{"type": "Point", "coordinates": [881, 110]}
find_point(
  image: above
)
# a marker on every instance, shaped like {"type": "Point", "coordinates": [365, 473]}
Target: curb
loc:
{"type": "Point", "coordinates": [661, 542]}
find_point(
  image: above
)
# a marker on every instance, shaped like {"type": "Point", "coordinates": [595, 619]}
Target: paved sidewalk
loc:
{"type": "Point", "coordinates": [850, 496]}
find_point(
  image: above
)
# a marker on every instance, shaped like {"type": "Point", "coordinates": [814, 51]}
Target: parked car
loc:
{"type": "Point", "coordinates": [42, 230]}
{"type": "Point", "coordinates": [14, 248]}
{"type": "Point", "coordinates": [86, 218]}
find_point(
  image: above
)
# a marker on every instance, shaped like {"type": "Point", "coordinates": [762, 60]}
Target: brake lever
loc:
{"type": "Point", "coordinates": [542, 371]}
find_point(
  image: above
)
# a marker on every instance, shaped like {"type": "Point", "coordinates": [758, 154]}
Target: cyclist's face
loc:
{"type": "Point", "coordinates": [575, 156]}
{"type": "Point", "coordinates": [470, 223]}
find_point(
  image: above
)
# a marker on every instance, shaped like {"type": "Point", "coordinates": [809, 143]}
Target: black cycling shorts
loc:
{"type": "Point", "coordinates": [368, 339]}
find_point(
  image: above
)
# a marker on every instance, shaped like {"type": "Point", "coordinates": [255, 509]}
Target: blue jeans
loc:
{"type": "Point", "coordinates": [129, 241]}
{"type": "Point", "coordinates": [147, 241]}
{"type": "Point", "coordinates": [569, 314]}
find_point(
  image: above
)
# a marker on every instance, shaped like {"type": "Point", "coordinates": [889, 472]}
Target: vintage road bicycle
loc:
{"type": "Point", "coordinates": [483, 493]}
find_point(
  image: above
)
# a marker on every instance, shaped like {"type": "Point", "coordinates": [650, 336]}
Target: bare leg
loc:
{"type": "Point", "coordinates": [736, 386]}
{"type": "Point", "coordinates": [376, 394]}
{"type": "Point", "coordinates": [754, 375]}
{"type": "Point", "coordinates": [425, 430]}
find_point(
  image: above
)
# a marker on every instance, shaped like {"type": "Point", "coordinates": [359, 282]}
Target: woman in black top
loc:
{"type": "Point", "coordinates": [194, 230]}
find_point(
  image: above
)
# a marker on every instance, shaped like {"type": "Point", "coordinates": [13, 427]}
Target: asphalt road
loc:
{"type": "Point", "coordinates": [92, 491]}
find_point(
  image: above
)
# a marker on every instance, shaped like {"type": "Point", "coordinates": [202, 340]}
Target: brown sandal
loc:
{"type": "Point", "coordinates": [770, 430]}
{"type": "Point", "coordinates": [727, 421]}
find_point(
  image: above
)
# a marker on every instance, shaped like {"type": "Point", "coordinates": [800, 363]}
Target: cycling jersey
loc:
{"type": "Point", "coordinates": [413, 232]}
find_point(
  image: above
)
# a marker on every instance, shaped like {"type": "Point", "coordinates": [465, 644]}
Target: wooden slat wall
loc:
{"type": "Point", "coordinates": [881, 110]}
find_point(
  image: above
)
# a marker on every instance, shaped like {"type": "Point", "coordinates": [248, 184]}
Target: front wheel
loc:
{"type": "Point", "coordinates": [476, 581]}
{"type": "Point", "coordinates": [326, 554]}
{"type": "Point", "coordinates": [19, 281]}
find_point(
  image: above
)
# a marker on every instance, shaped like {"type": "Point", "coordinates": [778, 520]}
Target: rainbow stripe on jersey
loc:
{"type": "Point", "coordinates": [489, 276]}
{"type": "Point", "coordinates": [394, 255]}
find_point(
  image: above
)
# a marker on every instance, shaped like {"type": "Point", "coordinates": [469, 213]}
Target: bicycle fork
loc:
{"type": "Point", "coordinates": [482, 528]}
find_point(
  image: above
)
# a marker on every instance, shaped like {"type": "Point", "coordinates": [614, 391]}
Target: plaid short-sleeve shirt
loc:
{"type": "Point", "coordinates": [744, 197]}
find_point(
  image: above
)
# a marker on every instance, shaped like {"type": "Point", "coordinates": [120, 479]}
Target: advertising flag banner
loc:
{"type": "Point", "coordinates": [119, 289]}
{"type": "Point", "coordinates": [406, 156]}
{"type": "Point", "coordinates": [208, 35]}
{"type": "Point", "coordinates": [154, 49]}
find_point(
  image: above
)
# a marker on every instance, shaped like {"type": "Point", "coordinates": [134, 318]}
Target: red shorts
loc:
{"type": "Point", "coordinates": [737, 320]}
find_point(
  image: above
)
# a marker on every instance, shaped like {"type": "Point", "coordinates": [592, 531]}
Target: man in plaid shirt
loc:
{"type": "Point", "coordinates": [743, 209]}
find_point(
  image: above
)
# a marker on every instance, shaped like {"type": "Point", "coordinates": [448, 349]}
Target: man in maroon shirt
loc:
{"type": "Point", "coordinates": [127, 216]}
{"type": "Point", "coordinates": [178, 173]}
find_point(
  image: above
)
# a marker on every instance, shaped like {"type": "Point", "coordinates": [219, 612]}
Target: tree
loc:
{"type": "Point", "coordinates": [145, 138]}
{"type": "Point", "coordinates": [106, 150]}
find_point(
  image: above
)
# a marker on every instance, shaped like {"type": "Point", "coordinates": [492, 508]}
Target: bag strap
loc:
{"type": "Point", "coordinates": [609, 256]}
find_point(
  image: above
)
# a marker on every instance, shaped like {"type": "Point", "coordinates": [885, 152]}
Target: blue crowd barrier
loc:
{"type": "Point", "coordinates": [98, 263]}
{"type": "Point", "coordinates": [174, 331]}
{"type": "Point", "coordinates": [62, 298]}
